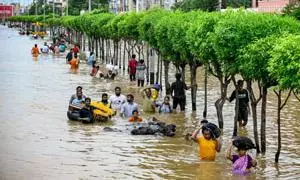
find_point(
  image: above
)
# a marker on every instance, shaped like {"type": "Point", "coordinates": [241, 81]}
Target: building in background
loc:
{"type": "Point", "coordinates": [119, 6]}
{"type": "Point", "coordinates": [6, 11]}
{"type": "Point", "coordinates": [272, 5]}
{"type": "Point", "coordinates": [59, 5]}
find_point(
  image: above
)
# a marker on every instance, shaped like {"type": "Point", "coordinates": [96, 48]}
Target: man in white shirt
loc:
{"type": "Point", "coordinates": [45, 48]}
{"type": "Point", "coordinates": [117, 99]}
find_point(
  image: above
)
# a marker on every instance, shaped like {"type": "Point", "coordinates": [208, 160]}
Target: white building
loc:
{"type": "Point", "coordinates": [118, 6]}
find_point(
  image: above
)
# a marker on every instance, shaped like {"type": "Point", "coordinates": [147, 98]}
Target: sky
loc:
{"type": "Point", "coordinates": [22, 2]}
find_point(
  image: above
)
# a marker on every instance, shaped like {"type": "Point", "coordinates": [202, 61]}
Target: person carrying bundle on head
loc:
{"type": "Point", "coordinates": [208, 142]}
{"type": "Point", "coordinates": [242, 162]}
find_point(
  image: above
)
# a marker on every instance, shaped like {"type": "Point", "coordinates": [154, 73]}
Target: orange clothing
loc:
{"type": "Point", "coordinates": [135, 119]}
{"type": "Point", "coordinates": [207, 148]}
{"type": "Point", "coordinates": [74, 63]}
{"type": "Point", "coordinates": [35, 51]}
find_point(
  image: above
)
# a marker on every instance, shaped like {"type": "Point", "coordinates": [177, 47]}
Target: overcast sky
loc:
{"type": "Point", "coordinates": [23, 2]}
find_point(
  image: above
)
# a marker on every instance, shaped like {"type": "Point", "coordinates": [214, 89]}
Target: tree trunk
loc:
{"type": "Point", "coordinates": [124, 56]}
{"type": "Point", "coordinates": [147, 58]}
{"type": "Point", "coordinates": [220, 102]}
{"type": "Point", "coordinates": [193, 71]}
{"type": "Point", "coordinates": [263, 119]}
{"type": "Point", "coordinates": [254, 114]}
{"type": "Point", "coordinates": [205, 94]}
{"type": "Point", "coordinates": [157, 67]}
{"type": "Point", "coordinates": [236, 107]}
{"type": "Point", "coordinates": [84, 39]}
{"type": "Point", "coordinates": [151, 66]}
{"type": "Point", "coordinates": [96, 41]}
{"type": "Point", "coordinates": [89, 43]}
{"type": "Point", "coordinates": [182, 72]}
{"type": "Point", "coordinates": [279, 108]}
{"type": "Point", "coordinates": [103, 50]}
{"type": "Point", "coordinates": [160, 73]}
{"type": "Point", "coordinates": [167, 84]}
{"type": "Point", "coordinates": [278, 126]}
{"type": "Point", "coordinates": [120, 55]}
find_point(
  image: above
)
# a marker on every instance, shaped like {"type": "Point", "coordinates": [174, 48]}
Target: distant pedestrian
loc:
{"type": "Point", "coordinates": [243, 103]}
{"type": "Point", "coordinates": [132, 67]}
{"type": "Point", "coordinates": [141, 72]}
{"type": "Point", "coordinates": [178, 92]}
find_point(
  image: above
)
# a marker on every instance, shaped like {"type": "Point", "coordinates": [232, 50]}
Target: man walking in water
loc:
{"type": "Point", "coordinates": [132, 67]}
{"type": "Point", "coordinates": [243, 103]}
{"type": "Point", "coordinates": [117, 99]}
{"type": "Point", "coordinates": [178, 92]}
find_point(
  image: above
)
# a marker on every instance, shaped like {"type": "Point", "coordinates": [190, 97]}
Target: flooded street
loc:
{"type": "Point", "coordinates": [39, 142]}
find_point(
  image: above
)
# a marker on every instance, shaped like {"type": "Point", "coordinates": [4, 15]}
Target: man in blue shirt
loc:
{"type": "Point", "coordinates": [128, 107]}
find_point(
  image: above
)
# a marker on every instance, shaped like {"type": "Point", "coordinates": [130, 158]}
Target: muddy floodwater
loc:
{"type": "Point", "coordinates": [39, 142]}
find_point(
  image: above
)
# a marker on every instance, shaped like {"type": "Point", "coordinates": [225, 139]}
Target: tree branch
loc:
{"type": "Point", "coordinates": [260, 92]}
{"type": "Point", "coordinates": [294, 92]}
{"type": "Point", "coordinates": [286, 99]}
{"type": "Point", "coordinates": [211, 71]}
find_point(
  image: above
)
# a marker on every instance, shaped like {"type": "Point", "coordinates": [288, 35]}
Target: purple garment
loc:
{"type": "Point", "coordinates": [249, 165]}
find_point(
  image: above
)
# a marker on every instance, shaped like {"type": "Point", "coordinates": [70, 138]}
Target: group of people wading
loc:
{"type": "Point", "coordinates": [209, 143]}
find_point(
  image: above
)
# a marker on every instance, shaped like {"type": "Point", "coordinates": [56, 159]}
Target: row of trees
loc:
{"type": "Point", "coordinates": [262, 48]}
{"type": "Point", "coordinates": [74, 7]}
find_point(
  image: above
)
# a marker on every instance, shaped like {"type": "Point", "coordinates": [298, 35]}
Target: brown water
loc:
{"type": "Point", "coordinates": [38, 141]}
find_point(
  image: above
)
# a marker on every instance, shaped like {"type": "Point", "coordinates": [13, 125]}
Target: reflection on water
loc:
{"type": "Point", "coordinates": [38, 142]}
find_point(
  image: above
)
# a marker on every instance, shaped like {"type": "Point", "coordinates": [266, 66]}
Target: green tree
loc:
{"type": "Point", "coordinates": [284, 65]}
{"type": "Point", "coordinates": [238, 29]}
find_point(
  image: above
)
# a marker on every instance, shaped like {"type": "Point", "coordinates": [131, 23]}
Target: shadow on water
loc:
{"type": "Point", "coordinates": [38, 142]}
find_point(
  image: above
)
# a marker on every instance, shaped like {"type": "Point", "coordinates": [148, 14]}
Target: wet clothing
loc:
{"type": "Point", "coordinates": [91, 60]}
{"type": "Point", "coordinates": [69, 56]}
{"type": "Point", "coordinates": [243, 98]}
{"type": "Point", "coordinates": [117, 101]}
{"type": "Point", "coordinates": [77, 101]}
{"type": "Point", "coordinates": [135, 119]}
{"type": "Point", "coordinates": [141, 83]}
{"type": "Point", "coordinates": [178, 90]}
{"type": "Point", "coordinates": [35, 51]}
{"type": "Point", "coordinates": [132, 77]}
{"type": "Point", "coordinates": [75, 50]}
{"type": "Point", "coordinates": [148, 105]}
{"type": "Point", "coordinates": [249, 163]}
{"type": "Point", "coordinates": [94, 71]}
{"type": "Point", "coordinates": [110, 76]}
{"type": "Point", "coordinates": [165, 108]}
{"type": "Point", "coordinates": [105, 104]}
{"type": "Point", "coordinates": [62, 48]}
{"type": "Point", "coordinates": [74, 63]}
{"type": "Point", "coordinates": [86, 113]}
{"type": "Point", "coordinates": [45, 49]}
{"type": "Point", "coordinates": [128, 108]}
{"type": "Point", "coordinates": [243, 104]}
{"type": "Point", "coordinates": [140, 71]}
{"type": "Point", "coordinates": [132, 69]}
{"type": "Point", "coordinates": [207, 148]}
{"type": "Point", "coordinates": [74, 96]}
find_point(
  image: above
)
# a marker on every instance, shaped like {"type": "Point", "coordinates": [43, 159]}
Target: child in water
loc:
{"type": "Point", "coordinates": [165, 107]}
{"type": "Point", "coordinates": [135, 117]}
{"type": "Point", "coordinates": [242, 162]}
{"type": "Point", "coordinates": [208, 144]}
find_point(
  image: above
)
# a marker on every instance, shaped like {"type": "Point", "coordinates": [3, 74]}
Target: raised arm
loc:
{"type": "Point", "coordinates": [195, 133]}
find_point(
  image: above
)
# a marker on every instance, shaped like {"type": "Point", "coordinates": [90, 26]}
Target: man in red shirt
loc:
{"type": "Point", "coordinates": [132, 67]}
{"type": "Point", "coordinates": [75, 50]}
